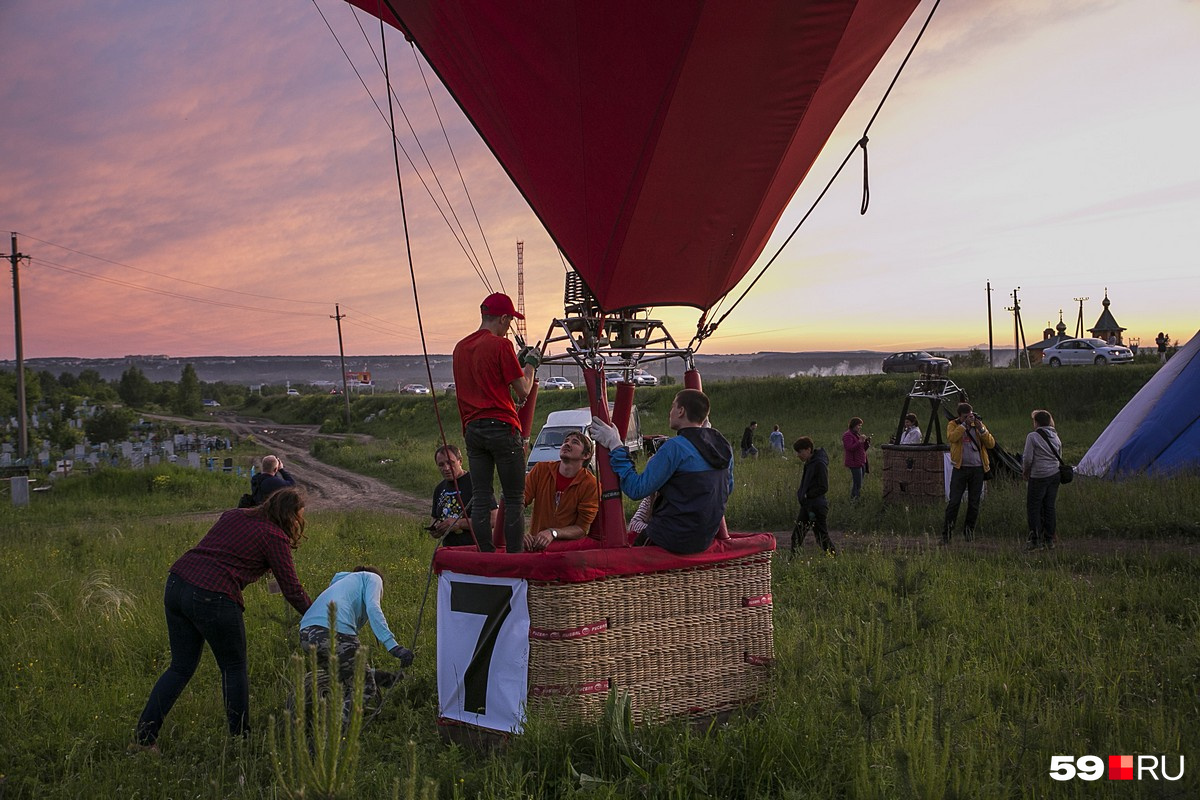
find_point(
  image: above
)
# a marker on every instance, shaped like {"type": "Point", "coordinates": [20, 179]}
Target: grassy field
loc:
{"type": "Point", "coordinates": [902, 670]}
{"type": "Point", "coordinates": [1083, 401]}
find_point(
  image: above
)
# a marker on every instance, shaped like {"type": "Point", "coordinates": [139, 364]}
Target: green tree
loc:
{"type": "Point", "coordinates": [109, 425]}
{"type": "Point", "coordinates": [187, 397]}
{"type": "Point", "coordinates": [90, 384]}
{"type": "Point", "coordinates": [8, 392]}
{"type": "Point", "coordinates": [60, 433]}
{"type": "Point", "coordinates": [135, 389]}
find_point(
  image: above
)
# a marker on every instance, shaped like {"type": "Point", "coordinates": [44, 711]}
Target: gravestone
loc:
{"type": "Point", "coordinates": [154, 461]}
{"type": "Point", "coordinates": [127, 450]}
{"type": "Point", "coordinates": [193, 460]}
{"type": "Point", "coordinates": [20, 490]}
{"type": "Point", "coordinates": [136, 460]}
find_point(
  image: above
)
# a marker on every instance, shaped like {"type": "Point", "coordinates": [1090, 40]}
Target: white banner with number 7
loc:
{"type": "Point", "coordinates": [483, 650]}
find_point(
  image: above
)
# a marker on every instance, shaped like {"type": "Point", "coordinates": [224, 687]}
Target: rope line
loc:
{"type": "Point", "coordinates": [416, 302]}
{"type": "Point", "coordinates": [454, 158]}
{"type": "Point", "coordinates": [396, 143]}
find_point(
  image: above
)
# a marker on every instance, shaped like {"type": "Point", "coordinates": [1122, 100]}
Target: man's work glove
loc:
{"type": "Point", "coordinates": [605, 434]}
{"type": "Point", "coordinates": [403, 654]}
{"type": "Point", "coordinates": [530, 356]}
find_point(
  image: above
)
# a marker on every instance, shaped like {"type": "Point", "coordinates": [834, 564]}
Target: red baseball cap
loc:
{"type": "Point", "coordinates": [499, 304]}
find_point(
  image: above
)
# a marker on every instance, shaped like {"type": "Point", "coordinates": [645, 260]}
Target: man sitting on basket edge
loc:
{"type": "Point", "coordinates": [692, 472]}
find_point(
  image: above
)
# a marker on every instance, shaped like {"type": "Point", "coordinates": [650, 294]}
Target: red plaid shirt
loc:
{"type": "Point", "coordinates": [236, 552]}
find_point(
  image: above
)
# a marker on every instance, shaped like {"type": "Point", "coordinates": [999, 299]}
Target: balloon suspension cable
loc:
{"type": "Point", "coordinates": [453, 157]}
{"type": "Point", "coordinates": [704, 331]}
{"type": "Point", "coordinates": [459, 233]}
{"type": "Point", "coordinates": [416, 295]}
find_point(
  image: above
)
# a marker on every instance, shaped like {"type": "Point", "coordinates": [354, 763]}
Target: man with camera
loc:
{"type": "Point", "coordinates": [969, 443]}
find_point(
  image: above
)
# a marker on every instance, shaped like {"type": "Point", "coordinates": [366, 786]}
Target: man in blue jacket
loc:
{"type": "Point", "coordinates": [692, 473]}
{"type": "Point", "coordinates": [356, 596]}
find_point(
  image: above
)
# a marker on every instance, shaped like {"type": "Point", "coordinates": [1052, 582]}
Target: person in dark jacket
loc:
{"type": "Point", "coordinates": [692, 473]}
{"type": "Point", "coordinates": [812, 494]}
{"type": "Point", "coordinates": [748, 448]}
{"type": "Point", "coordinates": [272, 478]}
{"type": "Point", "coordinates": [204, 604]}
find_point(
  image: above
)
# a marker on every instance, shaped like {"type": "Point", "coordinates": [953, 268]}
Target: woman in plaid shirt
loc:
{"type": "Point", "coordinates": [204, 603]}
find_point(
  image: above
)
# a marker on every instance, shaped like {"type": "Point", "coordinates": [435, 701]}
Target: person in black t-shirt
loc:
{"type": "Point", "coordinates": [452, 501]}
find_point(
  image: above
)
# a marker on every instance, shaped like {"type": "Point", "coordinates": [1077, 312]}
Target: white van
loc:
{"type": "Point", "coordinates": [560, 423]}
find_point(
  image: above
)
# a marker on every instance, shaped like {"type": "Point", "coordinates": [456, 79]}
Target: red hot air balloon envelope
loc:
{"type": "Point", "coordinates": [658, 142]}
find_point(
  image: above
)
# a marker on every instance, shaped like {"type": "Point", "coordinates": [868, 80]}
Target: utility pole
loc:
{"type": "Point", "coordinates": [338, 315]}
{"type": "Point", "coordinates": [22, 425]}
{"type": "Point", "coordinates": [991, 358]}
{"type": "Point", "coordinates": [1079, 320]}
{"type": "Point", "coordinates": [1018, 330]}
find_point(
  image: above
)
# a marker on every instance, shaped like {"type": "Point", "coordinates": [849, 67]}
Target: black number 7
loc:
{"type": "Point", "coordinates": [494, 603]}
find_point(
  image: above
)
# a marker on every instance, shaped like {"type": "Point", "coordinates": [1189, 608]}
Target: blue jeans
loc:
{"type": "Point", "coordinates": [969, 480]}
{"type": "Point", "coordinates": [1040, 498]}
{"type": "Point", "coordinates": [196, 616]}
{"type": "Point", "coordinates": [856, 479]}
{"type": "Point", "coordinates": [495, 447]}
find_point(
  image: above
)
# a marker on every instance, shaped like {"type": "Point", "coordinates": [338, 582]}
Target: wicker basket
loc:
{"type": "Point", "coordinates": [914, 473]}
{"type": "Point", "coordinates": [691, 642]}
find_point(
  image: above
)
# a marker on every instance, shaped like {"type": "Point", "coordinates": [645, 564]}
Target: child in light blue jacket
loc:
{"type": "Point", "coordinates": [356, 597]}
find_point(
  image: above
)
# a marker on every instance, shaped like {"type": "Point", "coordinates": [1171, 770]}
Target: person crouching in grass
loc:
{"type": "Point", "coordinates": [356, 598]}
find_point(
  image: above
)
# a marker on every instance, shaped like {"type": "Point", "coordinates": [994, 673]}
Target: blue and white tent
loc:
{"type": "Point", "coordinates": [1158, 431]}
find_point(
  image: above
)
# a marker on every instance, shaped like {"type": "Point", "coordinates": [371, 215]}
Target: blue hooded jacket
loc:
{"type": "Point", "coordinates": [357, 595]}
{"type": "Point", "coordinates": [693, 475]}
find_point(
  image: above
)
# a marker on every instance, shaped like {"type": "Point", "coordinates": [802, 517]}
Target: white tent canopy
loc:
{"type": "Point", "coordinates": [1158, 431]}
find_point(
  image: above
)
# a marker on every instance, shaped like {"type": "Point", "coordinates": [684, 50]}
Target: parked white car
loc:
{"type": "Point", "coordinates": [1072, 352]}
{"type": "Point", "coordinates": [642, 378]}
{"type": "Point", "coordinates": [414, 388]}
{"type": "Point", "coordinates": [560, 423]}
{"type": "Point", "coordinates": [557, 382]}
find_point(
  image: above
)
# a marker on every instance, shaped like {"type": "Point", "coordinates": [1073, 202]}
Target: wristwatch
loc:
{"type": "Point", "coordinates": [553, 533]}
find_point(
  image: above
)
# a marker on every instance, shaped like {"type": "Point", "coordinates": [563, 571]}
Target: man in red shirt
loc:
{"type": "Point", "coordinates": [487, 376]}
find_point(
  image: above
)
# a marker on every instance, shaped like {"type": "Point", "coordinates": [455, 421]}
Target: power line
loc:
{"type": "Point", "coordinates": [167, 293]}
{"type": "Point", "coordinates": [172, 277]}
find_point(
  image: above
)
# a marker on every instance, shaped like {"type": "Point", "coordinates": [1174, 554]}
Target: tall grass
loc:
{"type": "Point", "coordinates": [901, 673]}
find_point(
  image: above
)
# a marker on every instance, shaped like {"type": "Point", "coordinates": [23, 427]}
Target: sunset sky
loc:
{"type": "Point", "coordinates": [206, 178]}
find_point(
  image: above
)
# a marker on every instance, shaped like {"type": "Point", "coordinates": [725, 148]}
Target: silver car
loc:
{"type": "Point", "coordinates": [1072, 352]}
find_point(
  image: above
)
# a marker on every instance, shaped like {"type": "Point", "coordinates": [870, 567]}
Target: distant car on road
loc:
{"type": "Point", "coordinates": [612, 378]}
{"type": "Point", "coordinates": [414, 388]}
{"type": "Point", "coordinates": [293, 393]}
{"type": "Point", "coordinates": [211, 404]}
{"type": "Point", "coordinates": [916, 361]}
{"type": "Point", "coordinates": [1073, 352]}
{"type": "Point", "coordinates": [557, 382]}
{"type": "Point", "coordinates": [642, 378]}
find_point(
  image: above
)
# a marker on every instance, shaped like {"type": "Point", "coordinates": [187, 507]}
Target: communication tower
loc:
{"type": "Point", "coordinates": [521, 288]}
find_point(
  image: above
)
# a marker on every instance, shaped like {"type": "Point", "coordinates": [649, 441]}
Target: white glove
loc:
{"type": "Point", "coordinates": [605, 434]}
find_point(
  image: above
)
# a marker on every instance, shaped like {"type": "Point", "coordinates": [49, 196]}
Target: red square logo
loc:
{"type": "Point", "coordinates": [1120, 768]}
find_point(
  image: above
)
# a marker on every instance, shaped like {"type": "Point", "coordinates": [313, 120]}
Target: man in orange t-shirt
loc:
{"type": "Point", "coordinates": [486, 370]}
{"type": "Point", "coordinates": [565, 496]}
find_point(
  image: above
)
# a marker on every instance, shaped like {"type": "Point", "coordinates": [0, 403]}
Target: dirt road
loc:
{"type": "Point", "coordinates": [326, 486]}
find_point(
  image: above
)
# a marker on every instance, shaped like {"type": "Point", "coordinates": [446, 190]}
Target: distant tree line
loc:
{"type": "Point", "coordinates": [118, 400]}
